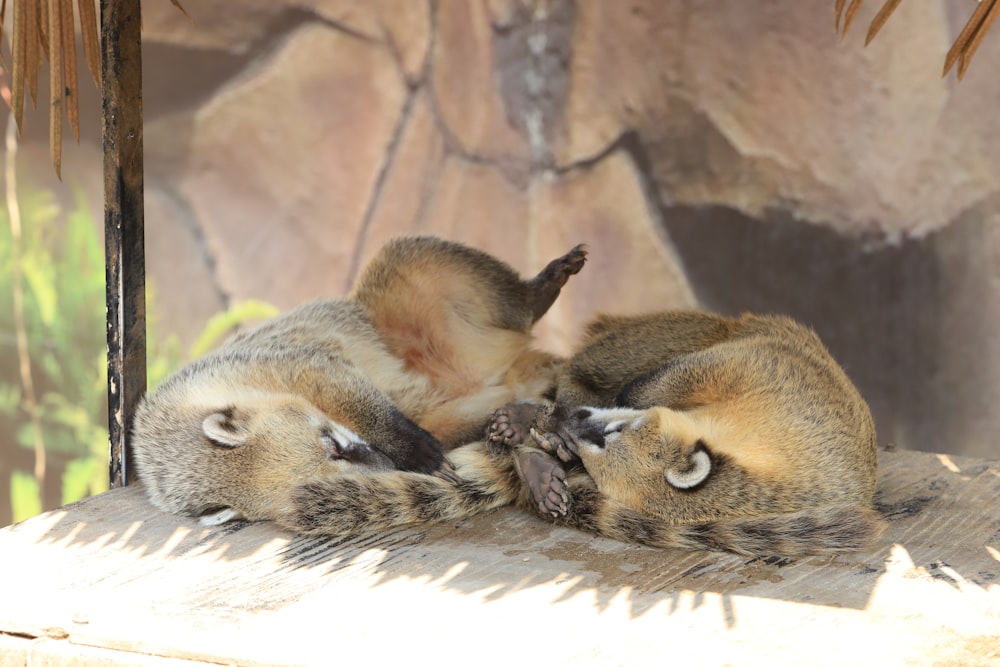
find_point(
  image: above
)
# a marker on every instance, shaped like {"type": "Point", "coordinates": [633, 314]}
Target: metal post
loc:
{"type": "Point", "coordinates": [121, 83]}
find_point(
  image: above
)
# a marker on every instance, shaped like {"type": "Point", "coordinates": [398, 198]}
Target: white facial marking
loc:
{"type": "Point", "coordinates": [615, 414]}
{"type": "Point", "coordinates": [220, 517]}
{"type": "Point", "coordinates": [344, 435]}
{"type": "Point", "coordinates": [615, 427]}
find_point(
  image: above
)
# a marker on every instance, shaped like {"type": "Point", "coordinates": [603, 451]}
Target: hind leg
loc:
{"type": "Point", "coordinates": [545, 287]}
{"type": "Point", "coordinates": [545, 479]}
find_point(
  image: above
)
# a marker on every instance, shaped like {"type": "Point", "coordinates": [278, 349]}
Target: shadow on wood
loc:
{"type": "Point", "coordinates": [113, 572]}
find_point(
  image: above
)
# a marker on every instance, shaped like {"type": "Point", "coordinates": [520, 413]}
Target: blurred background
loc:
{"type": "Point", "coordinates": [728, 155]}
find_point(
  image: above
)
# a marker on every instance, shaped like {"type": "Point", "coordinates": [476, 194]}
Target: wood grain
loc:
{"type": "Point", "coordinates": [114, 574]}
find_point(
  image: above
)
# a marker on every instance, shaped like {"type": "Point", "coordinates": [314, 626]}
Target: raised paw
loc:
{"type": "Point", "coordinates": [546, 481]}
{"type": "Point", "coordinates": [553, 443]}
{"type": "Point", "coordinates": [509, 426]}
{"type": "Point", "coordinates": [547, 284]}
{"type": "Point", "coordinates": [559, 270]}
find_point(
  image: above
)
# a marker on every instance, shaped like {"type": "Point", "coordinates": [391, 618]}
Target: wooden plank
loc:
{"type": "Point", "coordinates": [16, 651]}
{"type": "Point", "coordinates": [124, 249]}
{"type": "Point", "coordinates": [113, 573]}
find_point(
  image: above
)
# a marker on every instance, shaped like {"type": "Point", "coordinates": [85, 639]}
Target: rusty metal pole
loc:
{"type": "Point", "coordinates": [121, 87]}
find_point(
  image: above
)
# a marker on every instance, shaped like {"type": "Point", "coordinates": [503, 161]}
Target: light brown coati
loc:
{"type": "Point", "coordinates": [682, 429]}
{"type": "Point", "coordinates": [433, 338]}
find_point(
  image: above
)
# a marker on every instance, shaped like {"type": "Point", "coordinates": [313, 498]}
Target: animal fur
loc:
{"type": "Point", "coordinates": [678, 429]}
{"type": "Point", "coordinates": [432, 339]}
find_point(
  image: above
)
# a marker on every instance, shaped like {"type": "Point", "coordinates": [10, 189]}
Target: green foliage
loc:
{"type": "Point", "coordinates": [64, 311]}
{"type": "Point", "coordinates": [62, 271]}
{"type": "Point", "coordinates": [24, 495]}
{"type": "Point", "coordinates": [222, 323]}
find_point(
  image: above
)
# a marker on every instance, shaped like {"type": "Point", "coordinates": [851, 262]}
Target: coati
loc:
{"type": "Point", "coordinates": [433, 338]}
{"type": "Point", "coordinates": [684, 429]}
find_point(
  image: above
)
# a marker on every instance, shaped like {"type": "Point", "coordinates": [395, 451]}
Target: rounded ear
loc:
{"type": "Point", "coordinates": [699, 465]}
{"type": "Point", "coordinates": [227, 428]}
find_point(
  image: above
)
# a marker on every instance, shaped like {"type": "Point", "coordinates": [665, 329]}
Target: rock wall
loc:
{"type": "Point", "coordinates": [729, 155]}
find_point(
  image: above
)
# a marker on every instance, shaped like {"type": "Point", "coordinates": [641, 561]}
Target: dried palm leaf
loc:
{"type": "Point", "coordinates": [45, 29]}
{"type": "Point", "coordinates": [965, 44]}
{"type": "Point", "coordinates": [971, 36]}
{"type": "Point", "coordinates": [177, 4]}
{"type": "Point", "coordinates": [17, 55]}
{"type": "Point", "coordinates": [883, 15]}
{"type": "Point", "coordinates": [71, 92]}
{"type": "Point", "coordinates": [56, 87]}
{"type": "Point", "coordinates": [91, 43]}
{"type": "Point", "coordinates": [31, 53]}
{"type": "Point", "coordinates": [852, 9]}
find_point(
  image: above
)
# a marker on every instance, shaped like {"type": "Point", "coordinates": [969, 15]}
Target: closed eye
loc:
{"type": "Point", "coordinates": [615, 427]}
{"type": "Point", "coordinates": [333, 445]}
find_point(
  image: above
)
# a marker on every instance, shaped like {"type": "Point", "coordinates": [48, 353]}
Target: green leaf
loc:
{"type": "Point", "coordinates": [10, 398]}
{"type": "Point", "coordinates": [86, 247]}
{"type": "Point", "coordinates": [25, 499]}
{"type": "Point", "coordinates": [78, 479]}
{"type": "Point", "coordinates": [40, 288]}
{"type": "Point", "coordinates": [26, 435]}
{"type": "Point", "coordinates": [222, 323]}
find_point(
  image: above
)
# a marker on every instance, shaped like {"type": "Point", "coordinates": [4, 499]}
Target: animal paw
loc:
{"type": "Point", "coordinates": [547, 284]}
{"type": "Point", "coordinates": [509, 426]}
{"type": "Point", "coordinates": [414, 449]}
{"type": "Point", "coordinates": [554, 444]}
{"type": "Point", "coordinates": [546, 480]}
{"type": "Point", "coordinates": [559, 270]}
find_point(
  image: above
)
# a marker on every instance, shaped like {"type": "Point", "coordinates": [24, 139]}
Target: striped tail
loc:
{"type": "Point", "coordinates": [823, 530]}
{"type": "Point", "coordinates": [372, 502]}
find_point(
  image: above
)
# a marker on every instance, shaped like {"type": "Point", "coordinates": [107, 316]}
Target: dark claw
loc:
{"type": "Point", "coordinates": [447, 473]}
{"type": "Point", "coordinates": [554, 444]}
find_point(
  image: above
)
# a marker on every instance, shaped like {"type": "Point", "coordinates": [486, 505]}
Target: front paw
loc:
{"type": "Point", "coordinates": [416, 450]}
{"type": "Point", "coordinates": [554, 444]}
{"type": "Point", "coordinates": [510, 426]}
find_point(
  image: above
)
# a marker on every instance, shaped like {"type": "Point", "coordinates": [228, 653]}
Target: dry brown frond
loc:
{"type": "Point", "coordinates": [852, 9]}
{"type": "Point", "coordinates": [31, 53]}
{"type": "Point", "coordinates": [883, 15]}
{"type": "Point", "coordinates": [177, 4]}
{"type": "Point", "coordinates": [55, 84]}
{"type": "Point", "coordinates": [970, 38]}
{"type": "Point", "coordinates": [91, 43]}
{"type": "Point", "coordinates": [20, 30]}
{"type": "Point", "coordinates": [45, 29]}
{"type": "Point", "coordinates": [71, 93]}
{"type": "Point", "coordinates": [965, 44]}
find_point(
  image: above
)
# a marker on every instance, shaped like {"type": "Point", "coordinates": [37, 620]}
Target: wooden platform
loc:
{"type": "Point", "coordinates": [110, 580]}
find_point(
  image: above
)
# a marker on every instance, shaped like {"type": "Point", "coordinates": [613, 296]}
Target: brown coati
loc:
{"type": "Point", "coordinates": [679, 429]}
{"type": "Point", "coordinates": [434, 337]}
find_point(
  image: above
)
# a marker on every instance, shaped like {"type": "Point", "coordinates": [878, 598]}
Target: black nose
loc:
{"type": "Point", "coordinates": [581, 414]}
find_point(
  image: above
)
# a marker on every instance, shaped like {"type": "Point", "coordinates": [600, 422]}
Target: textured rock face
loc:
{"type": "Point", "coordinates": [728, 155]}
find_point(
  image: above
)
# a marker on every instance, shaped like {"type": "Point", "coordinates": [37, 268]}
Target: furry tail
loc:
{"type": "Point", "coordinates": [811, 532]}
{"type": "Point", "coordinates": [370, 502]}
